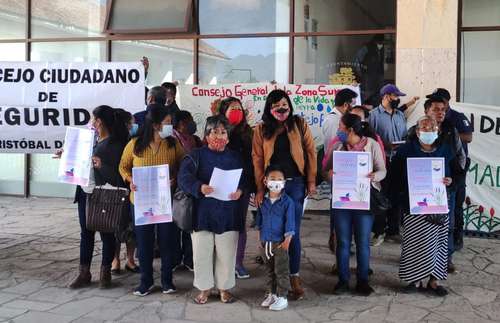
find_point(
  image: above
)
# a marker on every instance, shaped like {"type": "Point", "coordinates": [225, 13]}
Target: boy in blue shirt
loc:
{"type": "Point", "coordinates": [276, 226]}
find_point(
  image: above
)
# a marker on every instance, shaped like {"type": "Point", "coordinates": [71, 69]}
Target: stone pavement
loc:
{"type": "Point", "coordinates": [39, 255]}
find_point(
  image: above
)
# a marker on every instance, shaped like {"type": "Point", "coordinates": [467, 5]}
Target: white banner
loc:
{"type": "Point", "coordinates": [482, 207]}
{"type": "Point", "coordinates": [38, 100]}
{"type": "Point", "coordinates": [312, 102]}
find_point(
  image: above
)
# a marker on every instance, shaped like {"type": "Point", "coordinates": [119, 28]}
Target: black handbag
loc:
{"type": "Point", "coordinates": [105, 208]}
{"type": "Point", "coordinates": [378, 201]}
{"type": "Point", "coordinates": [183, 206]}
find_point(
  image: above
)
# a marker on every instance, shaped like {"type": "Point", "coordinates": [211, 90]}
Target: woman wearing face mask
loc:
{"type": "Point", "coordinates": [216, 222]}
{"type": "Point", "coordinates": [352, 136]}
{"type": "Point", "coordinates": [112, 137]}
{"type": "Point", "coordinates": [154, 145]}
{"type": "Point", "coordinates": [184, 131]}
{"type": "Point", "coordinates": [286, 140]}
{"type": "Point", "coordinates": [240, 140]}
{"type": "Point", "coordinates": [424, 252]}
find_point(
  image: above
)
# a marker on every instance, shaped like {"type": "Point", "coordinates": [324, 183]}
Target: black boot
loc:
{"type": "Point", "coordinates": [83, 279]}
{"type": "Point", "coordinates": [105, 277]}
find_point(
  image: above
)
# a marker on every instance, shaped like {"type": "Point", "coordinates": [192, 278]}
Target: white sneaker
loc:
{"type": "Point", "coordinates": [270, 299]}
{"type": "Point", "coordinates": [280, 304]}
{"type": "Point", "coordinates": [377, 240]}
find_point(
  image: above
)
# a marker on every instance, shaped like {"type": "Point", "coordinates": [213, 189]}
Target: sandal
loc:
{"type": "Point", "coordinates": [202, 297]}
{"type": "Point", "coordinates": [226, 297]}
{"type": "Point", "coordinates": [116, 271]}
{"type": "Point", "coordinates": [438, 290]}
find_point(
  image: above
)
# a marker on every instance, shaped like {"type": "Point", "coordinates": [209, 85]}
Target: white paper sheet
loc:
{"type": "Point", "coordinates": [75, 163]}
{"type": "Point", "coordinates": [224, 182]}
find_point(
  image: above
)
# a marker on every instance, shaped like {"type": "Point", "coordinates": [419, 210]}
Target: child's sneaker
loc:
{"type": "Point", "coordinates": [241, 273]}
{"type": "Point", "coordinates": [270, 299]}
{"type": "Point", "coordinates": [143, 291]}
{"type": "Point", "coordinates": [280, 304]}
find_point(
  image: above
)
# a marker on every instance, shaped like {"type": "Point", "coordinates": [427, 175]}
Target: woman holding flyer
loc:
{"type": "Point", "coordinates": [112, 136]}
{"type": "Point", "coordinates": [240, 140]}
{"type": "Point", "coordinates": [154, 145]}
{"type": "Point", "coordinates": [353, 136]}
{"type": "Point", "coordinates": [216, 218]}
{"type": "Point", "coordinates": [286, 140]}
{"type": "Point", "coordinates": [425, 237]}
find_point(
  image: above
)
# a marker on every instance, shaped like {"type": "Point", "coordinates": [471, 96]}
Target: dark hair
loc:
{"type": "Point", "coordinates": [170, 86]}
{"type": "Point", "coordinates": [124, 115]}
{"type": "Point", "coordinates": [433, 99]}
{"type": "Point", "coordinates": [270, 124]}
{"type": "Point", "coordinates": [214, 122]}
{"type": "Point", "coordinates": [344, 96]}
{"type": "Point", "coordinates": [365, 110]}
{"type": "Point", "coordinates": [158, 94]}
{"type": "Point", "coordinates": [113, 121]}
{"type": "Point", "coordinates": [155, 115]}
{"type": "Point", "coordinates": [360, 128]}
{"type": "Point", "coordinates": [182, 115]}
{"type": "Point", "coordinates": [273, 168]}
{"type": "Point", "coordinates": [242, 129]}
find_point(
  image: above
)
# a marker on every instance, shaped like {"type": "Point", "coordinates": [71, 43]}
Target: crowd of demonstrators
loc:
{"type": "Point", "coordinates": [286, 140]}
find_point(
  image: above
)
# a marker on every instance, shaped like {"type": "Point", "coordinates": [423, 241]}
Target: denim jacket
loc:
{"type": "Point", "coordinates": [276, 220]}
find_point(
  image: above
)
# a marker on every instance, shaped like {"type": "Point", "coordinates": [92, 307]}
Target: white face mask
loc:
{"type": "Point", "coordinates": [275, 186]}
{"type": "Point", "coordinates": [166, 131]}
{"type": "Point", "coordinates": [379, 46]}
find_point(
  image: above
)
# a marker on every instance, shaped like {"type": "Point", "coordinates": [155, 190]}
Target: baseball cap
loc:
{"type": "Point", "coordinates": [440, 92]}
{"type": "Point", "coordinates": [391, 89]}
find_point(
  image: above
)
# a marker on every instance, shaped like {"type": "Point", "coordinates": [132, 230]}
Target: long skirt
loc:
{"type": "Point", "coordinates": [424, 250]}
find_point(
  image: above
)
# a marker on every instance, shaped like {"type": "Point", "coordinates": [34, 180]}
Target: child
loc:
{"type": "Point", "coordinates": [276, 226]}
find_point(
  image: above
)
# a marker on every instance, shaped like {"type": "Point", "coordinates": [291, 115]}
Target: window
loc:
{"type": "Point", "coordinates": [62, 18]}
{"type": "Point", "coordinates": [132, 16]}
{"type": "Point", "coordinates": [339, 15]}
{"type": "Point", "coordinates": [345, 59]}
{"type": "Point", "coordinates": [244, 60]}
{"type": "Point", "coordinates": [477, 13]}
{"type": "Point", "coordinates": [249, 16]}
{"type": "Point", "coordinates": [13, 19]}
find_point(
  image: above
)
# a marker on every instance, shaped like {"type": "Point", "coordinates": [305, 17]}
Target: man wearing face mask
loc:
{"type": "Point", "coordinates": [369, 66]}
{"type": "Point", "coordinates": [171, 92]}
{"type": "Point", "coordinates": [156, 95]}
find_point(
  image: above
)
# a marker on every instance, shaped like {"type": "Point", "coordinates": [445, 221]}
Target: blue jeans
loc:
{"type": "Point", "coordinates": [451, 225]}
{"type": "Point", "coordinates": [295, 188]}
{"type": "Point", "coordinates": [346, 222]}
{"type": "Point", "coordinates": [87, 237]}
{"type": "Point", "coordinates": [165, 233]}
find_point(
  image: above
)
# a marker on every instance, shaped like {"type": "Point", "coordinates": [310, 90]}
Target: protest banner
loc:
{"type": "Point", "coordinates": [38, 100]}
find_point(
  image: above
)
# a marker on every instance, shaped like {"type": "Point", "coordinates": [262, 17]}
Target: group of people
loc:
{"type": "Point", "coordinates": [278, 159]}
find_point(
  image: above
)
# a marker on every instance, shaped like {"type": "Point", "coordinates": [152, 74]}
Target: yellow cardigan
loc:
{"type": "Point", "coordinates": [165, 155]}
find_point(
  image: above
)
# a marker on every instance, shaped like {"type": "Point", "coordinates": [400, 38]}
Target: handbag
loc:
{"type": "Point", "coordinates": [106, 207]}
{"type": "Point", "coordinates": [183, 206]}
{"type": "Point", "coordinates": [379, 201]}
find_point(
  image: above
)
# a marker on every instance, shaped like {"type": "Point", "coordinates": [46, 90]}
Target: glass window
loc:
{"type": "Point", "coordinates": [12, 170]}
{"type": "Point", "coordinates": [333, 15]}
{"type": "Point", "coordinates": [480, 75]}
{"type": "Point", "coordinates": [250, 16]}
{"type": "Point", "coordinates": [13, 19]}
{"type": "Point", "coordinates": [169, 60]}
{"type": "Point", "coordinates": [480, 13]}
{"type": "Point", "coordinates": [43, 170]}
{"type": "Point", "coordinates": [62, 18]}
{"type": "Point", "coordinates": [368, 60]}
{"type": "Point", "coordinates": [243, 60]}
{"type": "Point", "coordinates": [128, 16]}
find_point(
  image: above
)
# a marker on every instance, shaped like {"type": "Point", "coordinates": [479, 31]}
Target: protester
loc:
{"type": "Point", "coordinates": [126, 231]}
{"type": "Point", "coordinates": [171, 92]}
{"type": "Point", "coordinates": [240, 140]}
{"type": "Point", "coordinates": [390, 124]}
{"type": "Point", "coordinates": [155, 145]}
{"type": "Point", "coordinates": [425, 237]}
{"type": "Point", "coordinates": [112, 136]}
{"type": "Point", "coordinates": [465, 130]}
{"type": "Point", "coordinates": [156, 95]}
{"type": "Point", "coordinates": [184, 131]}
{"type": "Point", "coordinates": [435, 108]}
{"type": "Point", "coordinates": [354, 136]}
{"type": "Point", "coordinates": [286, 140]}
{"type": "Point", "coordinates": [216, 222]}
{"type": "Point", "coordinates": [344, 100]}
{"type": "Point", "coordinates": [276, 227]}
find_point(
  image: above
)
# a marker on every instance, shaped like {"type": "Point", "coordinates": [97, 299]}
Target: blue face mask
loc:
{"type": "Point", "coordinates": [133, 131]}
{"type": "Point", "coordinates": [342, 135]}
{"type": "Point", "coordinates": [428, 138]}
{"type": "Point", "coordinates": [166, 131]}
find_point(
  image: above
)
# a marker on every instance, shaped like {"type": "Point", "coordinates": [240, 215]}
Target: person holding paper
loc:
{"type": "Point", "coordinates": [353, 135]}
{"type": "Point", "coordinates": [240, 140]}
{"type": "Point", "coordinates": [154, 145]}
{"type": "Point", "coordinates": [286, 140]}
{"type": "Point", "coordinates": [112, 136]}
{"type": "Point", "coordinates": [425, 237]}
{"type": "Point", "coordinates": [217, 221]}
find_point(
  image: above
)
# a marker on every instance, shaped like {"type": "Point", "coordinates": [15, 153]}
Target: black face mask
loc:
{"type": "Point", "coordinates": [282, 110]}
{"type": "Point", "coordinates": [395, 103]}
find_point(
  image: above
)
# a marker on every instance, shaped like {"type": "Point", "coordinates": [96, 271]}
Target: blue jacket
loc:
{"type": "Point", "coordinates": [276, 220]}
{"type": "Point", "coordinates": [210, 214]}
